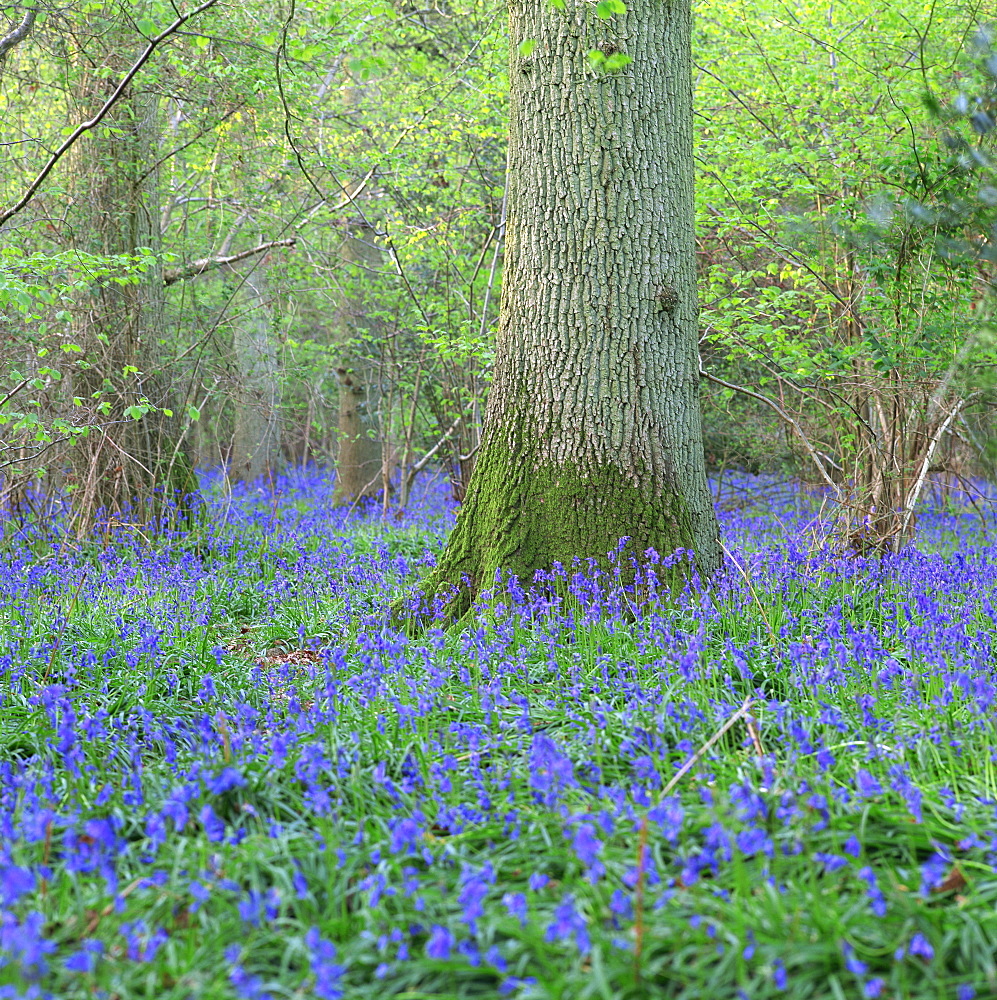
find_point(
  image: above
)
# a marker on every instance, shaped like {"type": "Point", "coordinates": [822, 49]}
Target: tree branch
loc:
{"type": "Point", "coordinates": [804, 440]}
{"type": "Point", "coordinates": [18, 34]}
{"type": "Point", "coordinates": [424, 461]}
{"type": "Point", "coordinates": [91, 123]}
{"type": "Point", "coordinates": [196, 267]}
{"type": "Point", "coordinates": [915, 491]}
{"type": "Point", "coordinates": [13, 392]}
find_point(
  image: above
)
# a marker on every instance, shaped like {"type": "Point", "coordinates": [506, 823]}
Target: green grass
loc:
{"type": "Point", "coordinates": [336, 745]}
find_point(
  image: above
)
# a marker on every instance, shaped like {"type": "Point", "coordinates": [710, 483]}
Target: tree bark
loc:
{"type": "Point", "coordinates": [256, 443]}
{"type": "Point", "coordinates": [592, 430]}
{"type": "Point", "coordinates": [360, 455]}
{"type": "Point", "coordinates": [123, 462]}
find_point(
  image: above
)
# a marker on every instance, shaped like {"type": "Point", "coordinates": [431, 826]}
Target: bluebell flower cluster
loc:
{"type": "Point", "coordinates": [225, 739]}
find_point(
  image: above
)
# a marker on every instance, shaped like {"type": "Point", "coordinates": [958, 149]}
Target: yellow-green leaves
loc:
{"type": "Point", "coordinates": [612, 63]}
{"type": "Point", "coordinates": [609, 8]}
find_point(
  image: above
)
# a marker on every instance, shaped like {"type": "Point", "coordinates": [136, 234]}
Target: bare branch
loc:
{"type": "Point", "coordinates": [804, 440]}
{"type": "Point", "coordinates": [424, 461]}
{"type": "Point", "coordinates": [911, 500]}
{"type": "Point", "coordinates": [13, 392]}
{"type": "Point", "coordinates": [196, 267]}
{"type": "Point", "coordinates": [17, 35]}
{"type": "Point", "coordinates": [91, 123]}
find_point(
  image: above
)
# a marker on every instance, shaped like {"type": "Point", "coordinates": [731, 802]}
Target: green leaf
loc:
{"type": "Point", "coordinates": [608, 8]}
{"type": "Point", "coordinates": [147, 26]}
{"type": "Point", "coordinates": [194, 413]}
{"type": "Point", "coordinates": [617, 61]}
{"type": "Point", "coordinates": [305, 53]}
{"type": "Point", "coordinates": [527, 46]}
{"type": "Point", "coordinates": [557, 4]}
{"type": "Point", "coordinates": [136, 412]}
{"type": "Point", "coordinates": [596, 57]}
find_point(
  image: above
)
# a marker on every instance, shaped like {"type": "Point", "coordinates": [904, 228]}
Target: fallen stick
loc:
{"type": "Point", "coordinates": [704, 749]}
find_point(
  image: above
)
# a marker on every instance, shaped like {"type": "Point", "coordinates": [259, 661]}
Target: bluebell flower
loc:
{"type": "Point", "coordinates": [852, 847]}
{"type": "Point", "coordinates": [537, 881]}
{"type": "Point", "coordinates": [86, 958]}
{"type": "Point", "coordinates": [586, 844]}
{"type": "Point", "coordinates": [853, 964]}
{"type": "Point", "coordinates": [472, 896]}
{"type": "Point", "coordinates": [213, 826]}
{"type": "Point", "coordinates": [328, 973]}
{"type": "Point", "coordinates": [440, 943]}
{"type": "Point", "coordinates": [227, 779]}
{"type": "Point", "coordinates": [567, 924]}
{"type": "Point", "coordinates": [877, 901]}
{"type": "Point", "coordinates": [405, 834]}
{"type": "Point", "coordinates": [515, 903]}
{"type": "Point", "coordinates": [25, 941]}
{"type": "Point", "coordinates": [15, 882]}
{"type": "Point", "coordinates": [867, 785]}
{"type": "Point", "coordinates": [921, 947]}
{"type": "Point", "coordinates": [668, 814]}
{"type": "Point", "coordinates": [514, 984]}
{"type": "Point", "coordinates": [247, 986]}
{"type": "Point", "coordinates": [621, 904]}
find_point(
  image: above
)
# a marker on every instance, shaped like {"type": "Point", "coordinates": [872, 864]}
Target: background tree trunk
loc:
{"type": "Point", "coordinates": [123, 462]}
{"type": "Point", "coordinates": [592, 430]}
{"type": "Point", "coordinates": [256, 442]}
{"type": "Point", "coordinates": [358, 463]}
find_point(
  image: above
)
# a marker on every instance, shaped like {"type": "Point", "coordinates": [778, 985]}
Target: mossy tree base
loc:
{"type": "Point", "coordinates": [519, 519]}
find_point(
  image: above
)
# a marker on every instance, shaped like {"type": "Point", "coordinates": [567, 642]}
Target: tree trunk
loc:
{"type": "Point", "coordinates": [123, 462]}
{"type": "Point", "coordinates": [592, 430]}
{"type": "Point", "coordinates": [256, 443]}
{"type": "Point", "coordinates": [358, 464]}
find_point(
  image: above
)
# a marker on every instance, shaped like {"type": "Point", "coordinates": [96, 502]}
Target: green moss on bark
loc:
{"type": "Point", "coordinates": [520, 518]}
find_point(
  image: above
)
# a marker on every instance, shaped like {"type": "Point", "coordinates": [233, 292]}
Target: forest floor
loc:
{"type": "Point", "coordinates": [223, 774]}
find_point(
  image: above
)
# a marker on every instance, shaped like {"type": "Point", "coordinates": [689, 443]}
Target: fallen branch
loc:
{"type": "Point", "coordinates": [705, 748]}
{"type": "Point", "coordinates": [196, 267]}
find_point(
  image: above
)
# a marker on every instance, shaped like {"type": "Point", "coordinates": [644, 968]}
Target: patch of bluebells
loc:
{"type": "Point", "coordinates": [476, 796]}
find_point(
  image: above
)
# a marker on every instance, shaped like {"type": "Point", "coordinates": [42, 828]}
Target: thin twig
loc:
{"type": "Point", "coordinates": [929, 453]}
{"type": "Point", "coordinates": [785, 416]}
{"type": "Point", "coordinates": [705, 748]}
